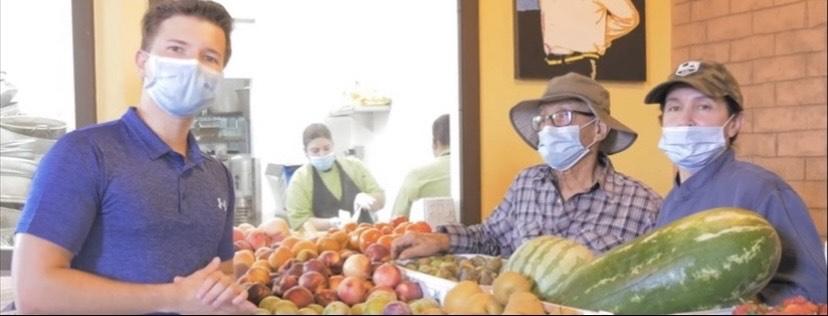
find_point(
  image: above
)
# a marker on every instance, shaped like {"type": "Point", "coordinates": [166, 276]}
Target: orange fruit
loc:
{"type": "Point", "coordinates": [418, 227]}
{"type": "Point", "coordinates": [279, 257]}
{"type": "Point", "coordinates": [341, 237]}
{"type": "Point", "coordinates": [349, 227]}
{"type": "Point", "coordinates": [289, 242]}
{"type": "Point", "coordinates": [328, 243]}
{"type": "Point", "coordinates": [303, 244]}
{"type": "Point", "coordinates": [368, 237]}
{"type": "Point", "coordinates": [386, 240]}
{"type": "Point", "coordinates": [400, 229]}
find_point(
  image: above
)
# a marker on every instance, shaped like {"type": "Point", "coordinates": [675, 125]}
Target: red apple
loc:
{"type": "Point", "coordinates": [408, 291]}
{"type": "Point", "coordinates": [387, 275]}
{"type": "Point", "coordinates": [299, 296]}
{"type": "Point", "coordinates": [351, 290]}
{"type": "Point", "coordinates": [378, 253]}
{"type": "Point", "coordinates": [313, 281]}
{"type": "Point", "coordinates": [325, 297]}
{"type": "Point", "coordinates": [357, 265]}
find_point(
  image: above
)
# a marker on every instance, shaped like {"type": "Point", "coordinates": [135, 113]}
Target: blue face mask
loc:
{"type": "Point", "coordinates": [693, 147]}
{"type": "Point", "coordinates": [323, 163]}
{"type": "Point", "coordinates": [180, 87]}
{"type": "Point", "coordinates": [561, 147]}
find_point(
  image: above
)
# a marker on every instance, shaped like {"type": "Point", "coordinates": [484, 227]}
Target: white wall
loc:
{"type": "Point", "coordinates": [302, 55]}
{"type": "Point", "coordinates": [37, 55]}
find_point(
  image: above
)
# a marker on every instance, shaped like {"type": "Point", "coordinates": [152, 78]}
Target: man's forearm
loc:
{"type": "Point", "coordinates": [70, 291]}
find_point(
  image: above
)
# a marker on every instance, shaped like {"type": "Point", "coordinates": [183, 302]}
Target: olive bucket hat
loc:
{"type": "Point", "coordinates": [573, 86]}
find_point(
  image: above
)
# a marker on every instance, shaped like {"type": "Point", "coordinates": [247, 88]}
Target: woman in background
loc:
{"type": "Point", "coordinates": [327, 184]}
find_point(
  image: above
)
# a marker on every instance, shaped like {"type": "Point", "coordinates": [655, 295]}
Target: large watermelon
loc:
{"type": "Point", "coordinates": [549, 261]}
{"type": "Point", "coordinates": [708, 260]}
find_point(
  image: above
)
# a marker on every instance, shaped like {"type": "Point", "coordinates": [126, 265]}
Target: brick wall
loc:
{"type": "Point", "coordinates": [776, 49]}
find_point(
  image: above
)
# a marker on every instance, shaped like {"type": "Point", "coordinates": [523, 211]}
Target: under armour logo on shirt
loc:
{"type": "Point", "coordinates": [222, 204]}
{"type": "Point", "coordinates": [688, 68]}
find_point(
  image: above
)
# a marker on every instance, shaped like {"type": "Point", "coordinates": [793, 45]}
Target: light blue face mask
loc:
{"type": "Point", "coordinates": [561, 147]}
{"type": "Point", "coordinates": [693, 147]}
{"type": "Point", "coordinates": [180, 87]}
{"type": "Point", "coordinates": [323, 163]}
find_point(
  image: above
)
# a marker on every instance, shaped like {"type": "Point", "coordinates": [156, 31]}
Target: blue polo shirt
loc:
{"type": "Point", "coordinates": [128, 207]}
{"type": "Point", "coordinates": [727, 182]}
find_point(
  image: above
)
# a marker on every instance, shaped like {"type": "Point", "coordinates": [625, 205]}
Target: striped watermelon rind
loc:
{"type": "Point", "coordinates": [549, 261]}
{"type": "Point", "coordinates": [708, 260]}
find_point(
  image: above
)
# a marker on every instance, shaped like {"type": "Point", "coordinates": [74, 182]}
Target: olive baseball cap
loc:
{"type": "Point", "coordinates": [580, 87]}
{"type": "Point", "coordinates": [711, 78]}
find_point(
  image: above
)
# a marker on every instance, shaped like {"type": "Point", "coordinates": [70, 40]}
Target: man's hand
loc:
{"type": "Point", "coordinates": [413, 245]}
{"type": "Point", "coordinates": [210, 291]}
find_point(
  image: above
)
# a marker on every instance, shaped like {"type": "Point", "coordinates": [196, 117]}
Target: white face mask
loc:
{"type": "Point", "coordinates": [180, 87]}
{"type": "Point", "coordinates": [693, 147]}
{"type": "Point", "coordinates": [561, 147]}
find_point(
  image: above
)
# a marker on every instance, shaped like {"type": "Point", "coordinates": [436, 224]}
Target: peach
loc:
{"type": "Point", "coordinates": [289, 242]}
{"type": "Point", "coordinates": [418, 227]}
{"type": "Point", "coordinates": [387, 275]}
{"type": "Point", "coordinates": [242, 245]}
{"type": "Point", "coordinates": [304, 244]}
{"type": "Point", "coordinates": [279, 256]}
{"type": "Point", "coordinates": [263, 253]}
{"type": "Point", "coordinates": [408, 291]}
{"type": "Point", "coordinates": [256, 292]}
{"type": "Point", "coordinates": [298, 295]}
{"type": "Point", "coordinates": [351, 290]}
{"type": "Point", "coordinates": [316, 265]}
{"type": "Point", "coordinates": [258, 275]}
{"type": "Point", "coordinates": [275, 227]}
{"type": "Point", "coordinates": [327, 243]}
{"type": "Point", "coordinates": [258, 238]}
{"type": "Point", "coordinates": [333, 281]}
{"type": "Point", "coordinates": [245, 227]}
{"type": "Point", "coordinates": [331, 259]}
{"type": "Point", "coordinates": [238, 234]}
{"type": "Point", "coordinates": [368, 237]}
{"type": "Point", "coordinates": [286, 282]}
{"type": "Point", "coordinates": [306, 254]}
{"type": "Point", "coordinates": [244, 256]}
{"type": "Point", "coordinates": [357, 265]}
{"type": "Point", "coordinates": [313, 281]}
{"type": "Point", "coordinates": [378, 253]}
{"type": "Point", "coordinates": [325, 297]}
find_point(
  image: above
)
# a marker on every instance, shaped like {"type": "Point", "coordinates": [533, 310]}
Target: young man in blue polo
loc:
{"type": "Point", "coordinates": [130, 216]}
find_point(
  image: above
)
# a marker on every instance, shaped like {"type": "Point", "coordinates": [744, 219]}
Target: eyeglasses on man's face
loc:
{"type": "Point", "coordinates": [557, 119]}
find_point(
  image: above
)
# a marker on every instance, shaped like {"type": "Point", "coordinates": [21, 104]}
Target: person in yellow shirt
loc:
{"type": "Point", "coordinates": [432, 179]}
{"type": "Point", "coordinates": [327, 184]}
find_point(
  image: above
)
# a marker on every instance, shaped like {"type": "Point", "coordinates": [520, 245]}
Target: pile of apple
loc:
{"type": "Point", "coordinates": [347, 269]}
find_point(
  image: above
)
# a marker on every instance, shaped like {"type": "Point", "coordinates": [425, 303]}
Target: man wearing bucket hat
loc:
{"type": "Point", "coordinates": [576, 194]}
{"type": "Point", "coordinates": [701, 107]}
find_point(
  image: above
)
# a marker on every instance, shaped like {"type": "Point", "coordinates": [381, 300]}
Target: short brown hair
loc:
{"type": "Point", "coordinates": [210, 11]}
{"type": "Point", "coordinates": [315, 131]}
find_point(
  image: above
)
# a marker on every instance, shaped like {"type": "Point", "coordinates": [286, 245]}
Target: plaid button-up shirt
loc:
{"type": "Point", "coordinates": [615, 210]}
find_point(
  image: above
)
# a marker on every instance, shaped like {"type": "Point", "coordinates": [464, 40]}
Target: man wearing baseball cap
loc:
{"type": "Point", "coordinates": [575, 194]}
{"type": "Point", "coordinates": [701, 107]}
